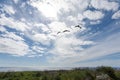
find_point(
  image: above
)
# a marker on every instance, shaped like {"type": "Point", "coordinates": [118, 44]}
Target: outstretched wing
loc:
{"type": "Point", "coordinates": [58, 32]}
{"type": "Point", "coordinates": [66, 31]}
{"type": "Point", "coordinates": [63, 31]}
{"type": "Point", "coordinates": [78, 26]}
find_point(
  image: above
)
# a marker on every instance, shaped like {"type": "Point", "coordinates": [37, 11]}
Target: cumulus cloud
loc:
{"type": "Point", "coordinates": [80, 5]}
{"type": "Point", "coordinates": [9, 9]}
{"type": "Point", "coordinates": [13, 44]}
{"type": "Point", "coordinates": [53, 9]}
{"type": "Point", "coordinates": [41, 30]}
{"type": "Point", "coordinates": [42, 38]}
{"type": "Point", "coordinates": [93, 15]}
{"type": "Point", "coordinates": [65, 49]}
{"type": "Point", "coordinates": [2, 29]}
{"type": "Point", "coordinates": [57, 26]}
{"type": "Point", "coordinates": [116, 15]}
{"type": "Point", "coordinates": [46, 9]}
{"type": "Point", "coordinates": [38, 49]}
{"type": "Point", "coordinates": [105, 5]}
{"type": "Point", "coordinates": [41, 26]}
{"type": "Point", "coordinates": [10, 46]}
{"type": "Point", "coordinates": [14, 24]}
{"type": "Point", "coordinates": [80, 17]}
{"type": "Point", "coordinates": [50, 8]}
{"type": "Point", "coordinates": [71, 18]}
{"type": "Point", "coordinates": [12, 36]}
{"type": "Point", "coordinates": [69, 46]}
{"type": "Point", "coordinates": [109, 46]}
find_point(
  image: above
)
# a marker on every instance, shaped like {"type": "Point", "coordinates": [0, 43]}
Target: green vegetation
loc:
{"type": "Point", "coordinates": [106, 73]}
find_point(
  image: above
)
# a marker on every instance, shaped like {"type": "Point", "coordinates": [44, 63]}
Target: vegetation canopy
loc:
{"type": "Point", "coordinates": [100, 73]}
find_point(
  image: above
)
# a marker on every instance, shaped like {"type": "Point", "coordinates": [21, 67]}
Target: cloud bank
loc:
{"type": "Point", "coordinates": [31, 29]}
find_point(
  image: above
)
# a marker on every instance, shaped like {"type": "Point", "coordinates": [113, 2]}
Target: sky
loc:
{"type": "Point", "coordinates": [32, 33]}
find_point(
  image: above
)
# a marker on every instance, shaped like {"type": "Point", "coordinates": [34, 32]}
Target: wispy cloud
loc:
{"type": "Point", "coordinates": [36, 28]}
{"type": "Point", "coordinates": [12, 23]}
{"type": "Point", "coordinates": [9, 9]}
{"type": "Point", "coordinates": [116, 15]}
{"type": "Point", "coordinates": [10, 46]}
{"type": "Point", "coordinates": [93, 15]}
{"type": "Point", "coordinates": [105, 5]}
{"type": "Point", "coordinates": [108, 46]}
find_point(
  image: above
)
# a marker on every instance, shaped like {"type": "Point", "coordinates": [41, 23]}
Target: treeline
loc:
{"type": "Point", "coordinates": [103, 73]}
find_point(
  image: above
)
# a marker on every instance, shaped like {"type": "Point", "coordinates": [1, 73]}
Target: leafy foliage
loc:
{"type": "Point", "coordinates": [75, 74]}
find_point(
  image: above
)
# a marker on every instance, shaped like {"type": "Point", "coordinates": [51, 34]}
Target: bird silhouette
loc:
{"type": "Point", "coordinates": [78, 26]}
{"type": "Point", "coordinates": [69, 30]}
{"type": "Point", "coordinates": [66, 31]}
{"type": "Point", "coordinates": [58, 32]}
{"type": "Point", "coordinates": [63, 31]}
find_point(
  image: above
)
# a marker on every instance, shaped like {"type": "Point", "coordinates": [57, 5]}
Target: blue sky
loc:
{"type": "Point", "coordinates": [28, 33]}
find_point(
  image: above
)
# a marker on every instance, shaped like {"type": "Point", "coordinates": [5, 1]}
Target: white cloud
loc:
{"type": "Point", "coordinates": [71, 18]}
{"type": "Point", "coordinates": [57, 26]}
{"type": "Point", "coordinates": [42, 38]}
{"type": "Point", "coordinates": [38, 49]}
{"type": "Point", "coordinates": [80, 5]}
{"type": "Point", "coordinates": [12, 36]}
{"type": "Point", "coordinates": [80, 17]}
{"type": "Point", "coordinates": [93, 15]}
{"type": "Point", "coordinates": [95, 22]}
{"type": "Point", "coordinates": [16, 1]}
{"type": "Point", "coordinates": [108, 46]}
{"type": "Point", "coordinates": [2, 29]}
{"type": "Point", "coordinates": [105, 5]}
{"type": "Point", "coordinates": [46, 9]}
{"type": "Point", "coordinates": [65, 53]}
{"type": "Point", "coordinates": [10, 46]}
{"type": "Point", "coordinates": [10, 22]}
{"type": "Point", "coordinates": [116, 15]}
{"type": "Point", "coordinates": [41, 26]}
{"type": "Point", "coordinates": [9, 9]}
{"type": "Point", "coordinates": [43, 32]}
{"type": "Point", "coordinates": [69, 46]}
{"type": "Point", "coordinates": [50, 8]}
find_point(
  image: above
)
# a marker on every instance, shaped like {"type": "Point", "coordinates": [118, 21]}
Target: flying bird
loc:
{"type": "Point", "coordinates": [63, 31]}
{"type": "Point", "coordinates": [58, 32]}
{"type": "Point", "coordinates": [78, 26]}
{"type": "Point", "coordinates": [69, 30]}
{"type": "Point", "coordinates": [66, 31]}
